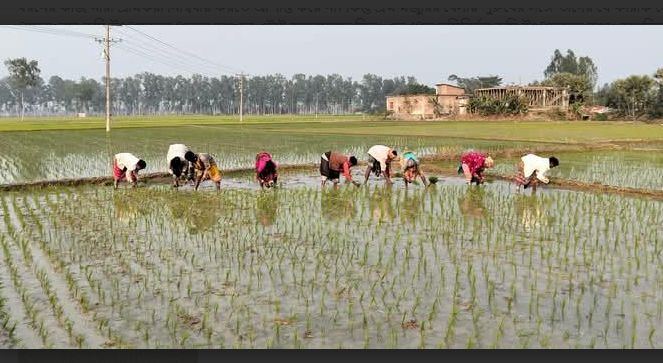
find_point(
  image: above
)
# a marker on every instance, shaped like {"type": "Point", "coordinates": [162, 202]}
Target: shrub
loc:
{"type": "Point", "coordinates": [600, 117]}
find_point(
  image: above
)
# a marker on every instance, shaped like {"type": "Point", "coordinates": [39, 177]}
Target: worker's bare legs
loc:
{"type": "Point", "coordinates": [218, 185]}
{"type": "Point", "coordinates": [423, 179]}
{"type": "Point", "coordinates": [466, 172]}
{"type": "Point", "coordinates": [198, 180]}
{"type": "Point", "coordinates": [367, 173]}
{"type": "Point", "coordinates": [386, 176]}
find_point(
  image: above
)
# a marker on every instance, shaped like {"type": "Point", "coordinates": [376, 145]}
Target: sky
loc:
{"type": "Point", "coordinates": [431, 53]}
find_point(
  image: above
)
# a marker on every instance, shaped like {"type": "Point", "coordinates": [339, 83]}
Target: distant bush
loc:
{"type": "Point", "coordinates": [556, 114]}
{"type": "Point", "coordinates": [509, 105]}
{"type": "Point", "coordinates": [600, 117]}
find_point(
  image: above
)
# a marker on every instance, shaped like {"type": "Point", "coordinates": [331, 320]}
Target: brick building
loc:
{"type": "Point", "coordinates": [447, 100]}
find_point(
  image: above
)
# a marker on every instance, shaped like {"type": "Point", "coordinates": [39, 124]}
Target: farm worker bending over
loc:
{"type": "Point", "coordinates": [331, 166]}
{"type": "Point", "coordinates": [473, 164]}
{"type": "Point", "coordinates": [410, 167]}
{"type": "Point", "coordinates": [126, 165]}
{"type": "Point", "coordinates": [178, 166]}
{"type": "Point", "coordinates": [205, 168]}
{"type": "Point", "coordinates": [266, 172]}
{"type": "Point", "coordinates": [379, 162]}
{"type": "Point", "coordinates": [532, 168]}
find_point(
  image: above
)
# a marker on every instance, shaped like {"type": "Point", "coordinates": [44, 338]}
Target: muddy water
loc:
{"type": "Point", "coordinates": [54, 155]}
{"type": "Point", "coordinates": [447, 266]}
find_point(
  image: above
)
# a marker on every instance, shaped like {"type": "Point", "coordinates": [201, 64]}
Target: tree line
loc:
{"type": "Point", "coordinates": [152, 94]}
{"type": "Point", "coordinates": [635, 97]}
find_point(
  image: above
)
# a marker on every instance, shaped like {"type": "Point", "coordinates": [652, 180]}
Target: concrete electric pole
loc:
{"type": "Point", "coordinates": [106, 41]}
{"type": "Point", "coordinates": [241, 97]}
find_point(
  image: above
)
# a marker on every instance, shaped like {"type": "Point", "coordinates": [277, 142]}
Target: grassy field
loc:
{"type": "Point", "coordinates": [72, 123]}
{"type": "Point", "coordinates": [64, 151]}
{"type": "Point", "coordinates": [547, 131]}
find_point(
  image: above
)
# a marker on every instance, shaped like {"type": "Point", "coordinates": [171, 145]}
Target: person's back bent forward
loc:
{"type": "Point", "coordinates": [178, 166]}
{"type": "Point", "coordinates": [205, 168]}
{"type": "Point", "coordinates": [331, 166]}
{"type": "Point", "coordinates": [410, 166]}
{"type": "Point", "coordinates": [379, 162]}
{"type": "Point", "coordinates": [126, 165]}
{"type": "Point", "coordinates": [473, 164]}
{"type": "Point", "coordinates": [266, 170]}
{"type": "Point", "coordinates": [532, 168]}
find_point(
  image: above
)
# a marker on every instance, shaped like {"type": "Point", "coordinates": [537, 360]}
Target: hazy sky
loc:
{"type": "Point", "coordinates": [430, 53]}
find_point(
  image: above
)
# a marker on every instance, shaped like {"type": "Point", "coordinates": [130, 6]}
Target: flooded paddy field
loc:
{"type": "Point", "coordinates": [300, 267]}
{"type": "Point", "coordinates": [53, 155]}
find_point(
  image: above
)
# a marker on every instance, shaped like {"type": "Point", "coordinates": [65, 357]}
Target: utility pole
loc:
{"type": "Point", "coordinates": [241, 96]}
{"type": "Point", "coordinates": [107, 40]}
{"type": "Point", "coordinates": [107, 47]}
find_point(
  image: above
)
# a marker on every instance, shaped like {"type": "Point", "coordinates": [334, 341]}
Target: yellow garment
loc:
{"type": "Point", "coordinates": [214, 173]}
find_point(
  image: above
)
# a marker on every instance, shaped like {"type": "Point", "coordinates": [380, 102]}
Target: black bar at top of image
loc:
{"type": "Point", "coordinates": [333, 15]}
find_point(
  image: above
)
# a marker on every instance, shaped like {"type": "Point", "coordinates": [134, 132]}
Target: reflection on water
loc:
{"type": "Point", "coordinates": [411, 205]}
{"type": "Point", "coordinates": [197, 213]}
{"type": "Point", "coordinates": [472, 203]}
{"type": "Point", "coordinates": [267, 205]}
{"type": "Point", "coordinates": [128, 207]}
{"type": "Point", "coordinates": [529, 211]}
{"type": "Point", "coordinates": [337, 203]}
{"type": "Point", "coordinates": [380, 204]}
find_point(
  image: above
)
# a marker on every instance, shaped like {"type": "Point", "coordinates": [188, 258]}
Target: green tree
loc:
{"type": "Point", "coordinates": [578, 86]}
{"type": "Point", "coordinates": [657, 107]}
{"type": "Point", "coordinates": [633, 96]}
{"type": "Point", "coordinates": [472, 84]}
{"type": "Point", "coordinates": [23, 75]}
{"type": "Point", "coordinates": [569, 63]}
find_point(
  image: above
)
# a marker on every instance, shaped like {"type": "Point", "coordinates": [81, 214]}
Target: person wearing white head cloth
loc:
{"type": "Point", "coordinates": [379, 162]}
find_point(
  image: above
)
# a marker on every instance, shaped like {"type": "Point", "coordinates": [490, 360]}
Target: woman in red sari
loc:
{"type": "Point", "coordinates": [473, 164]}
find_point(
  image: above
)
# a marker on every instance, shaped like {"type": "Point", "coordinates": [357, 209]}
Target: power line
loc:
{"type": "Point", "coordinates": [51, 31]}
{"type": "Point", "coordinates": [159, 52]}
{"type": "Point", "coordinates": [152, 58]}
{"type": "Point", "coordinates": [231, 69]}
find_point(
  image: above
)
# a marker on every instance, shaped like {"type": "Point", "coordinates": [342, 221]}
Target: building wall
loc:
{"type": "Point", "coordinates": [420, 105]}
{"type": "Point", "coordinates": [445, 89]}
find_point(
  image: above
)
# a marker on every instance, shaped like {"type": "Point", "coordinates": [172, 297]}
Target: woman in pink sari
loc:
{"type": "Point", "coordinates": [266, 170]}
{"type": "Point", "coordinates": [473, 164]}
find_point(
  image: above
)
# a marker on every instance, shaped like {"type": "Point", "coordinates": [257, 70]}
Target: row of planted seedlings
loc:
{"type": "Point", "coordinates": [447, 267]}
{"type": "Point", "coordinates": [630, 169]}
{"type": "Point", "coordinates": [53, 155]}
{"type": "Point", "coordinates": [41, 316]}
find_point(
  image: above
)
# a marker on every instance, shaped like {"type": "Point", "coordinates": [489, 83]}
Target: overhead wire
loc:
{"type": "Point", "coordinates": [215, 64]}
{"type": "Point", "coordinates": [51, 31]}
{"type": "Point", "coordinates": [152, 58]}
{"type": "Point", "coordinates": [160, 53]}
